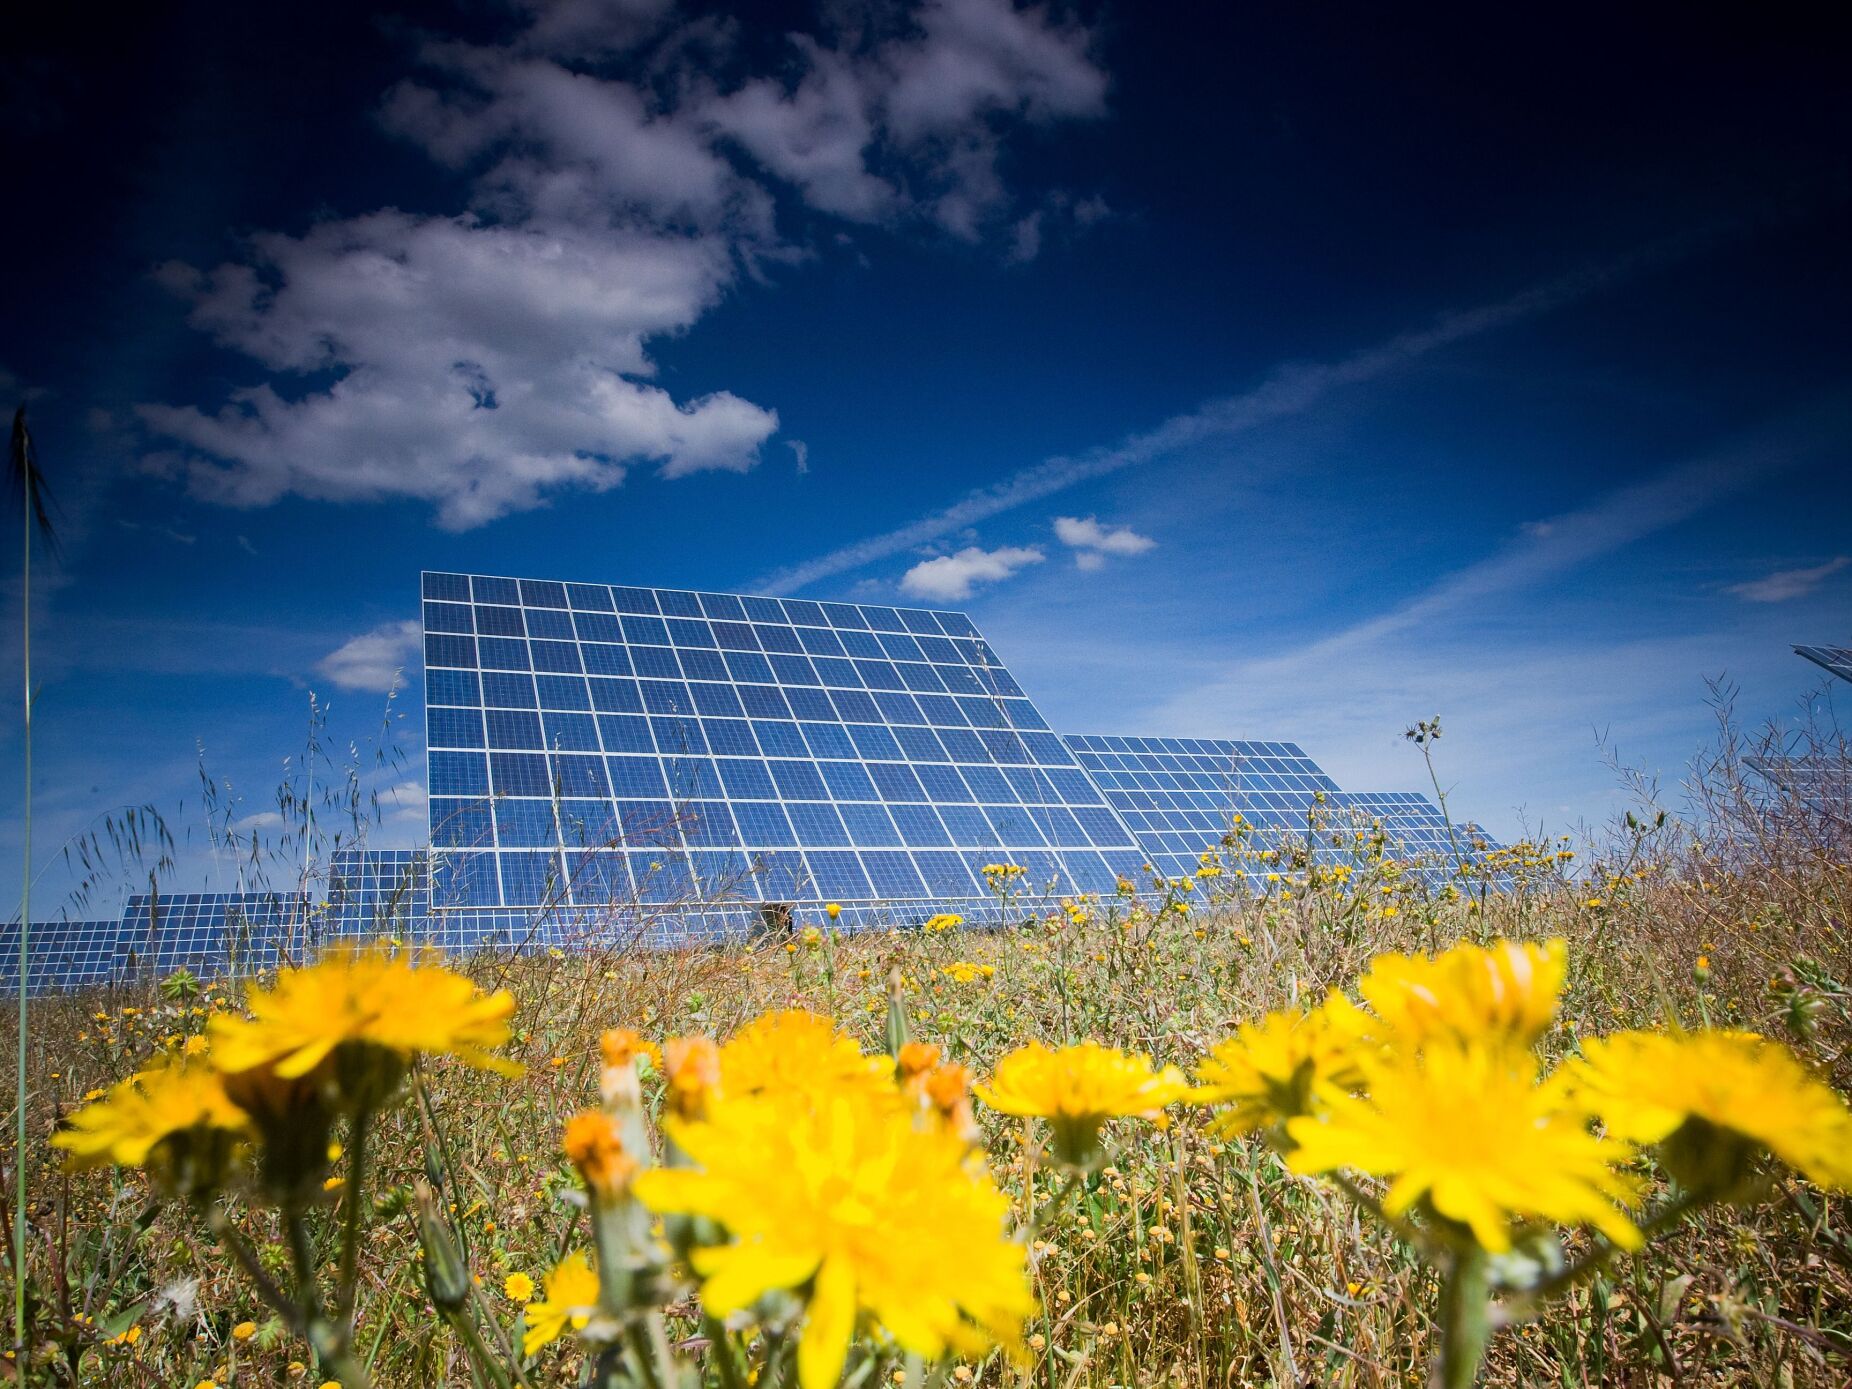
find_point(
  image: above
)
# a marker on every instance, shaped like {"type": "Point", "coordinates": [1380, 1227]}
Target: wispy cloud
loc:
{"type": "Point", "coordinates": [954, 576]}
{"type": "Point", "coordinates": [1784, 584]}
{"type": "Point", "coordinates": [1528, 695]}
{"type": "Point", "coordinates": [1289, 390]}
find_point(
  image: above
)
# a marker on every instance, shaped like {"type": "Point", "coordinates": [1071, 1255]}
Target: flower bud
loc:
{"type": "Point", "coordinates": [446, 1278]}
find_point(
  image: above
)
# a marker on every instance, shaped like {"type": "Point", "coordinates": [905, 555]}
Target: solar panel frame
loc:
{"type": "Point", "coordinates": [1836, 659]}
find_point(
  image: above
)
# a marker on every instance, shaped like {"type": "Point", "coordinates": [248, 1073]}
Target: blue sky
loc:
{"type": "Point", "coordinates": [1273, 374]}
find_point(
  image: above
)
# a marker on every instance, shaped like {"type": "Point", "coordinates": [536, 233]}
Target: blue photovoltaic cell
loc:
{"type": "Point", "coordinates": [733, 748]}
{"type": "Point", "coordinates": [1837, 659]}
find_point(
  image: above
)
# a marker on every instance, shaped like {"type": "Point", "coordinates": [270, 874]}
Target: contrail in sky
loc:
{"type": "Point", "coordinates": [1289, 390]}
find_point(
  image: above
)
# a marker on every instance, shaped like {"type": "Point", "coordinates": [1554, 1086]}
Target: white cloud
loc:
{"type": "Point", "coordinates": [953, 576]}
{"type": "Point", "coordinates": [374, 660]}
{"type": "Point", "coordinates": [481, 366]}
{"type": "Point", "coordinates": [1092, 543]}
{"type": "Point", "coordinates": [1784, 584]}
{"type": "Point", "coordinates": [485, 361]}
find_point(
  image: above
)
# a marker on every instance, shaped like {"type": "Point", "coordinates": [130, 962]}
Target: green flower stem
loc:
{"type": "Point", "coordinates": [722, 1348]}
{"type": "Point", "coordinates": [1049, 1211]}
{"type": "Point", "coordinates": [1465, 1321]}
{"type": "Point", "coordinates": [350, 1234]}
{"type": "Point", "coordinates": [472, 1338]}
{"type": "Point", "coordinates": [1273, 1274]}
{"type": "Point", "coordinates": [227, 1235]}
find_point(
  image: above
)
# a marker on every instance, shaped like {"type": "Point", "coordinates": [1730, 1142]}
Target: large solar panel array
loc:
{"type": "Point", "coordinates": [594, 747]}
{"type": "Point", "coordinates": [612, 765]}
{"type": "Point", "coordinates": [1182, 795]}
{"type": "Point", "coordinates": [1837, 659]}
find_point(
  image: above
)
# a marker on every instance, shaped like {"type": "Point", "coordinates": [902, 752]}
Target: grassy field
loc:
{"type": "Point", "coordinates": [1186, 1258]}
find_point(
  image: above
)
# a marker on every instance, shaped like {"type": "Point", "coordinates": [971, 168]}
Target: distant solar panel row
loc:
{"type": "Point", "coordinates": [1181, 796]}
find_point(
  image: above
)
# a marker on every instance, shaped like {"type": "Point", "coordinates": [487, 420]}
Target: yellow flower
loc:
{"type": "Point", "coordinates": [853, 1207]}
{"type": "Point", "coordinates": [244, 1330]}
{"type": "Point", "coordinates": [171, 1116]}
{"type": "Point", "coordinates": [963, 971]}
{"type": "Point", "coordinates": [812, 937]}
{"type": "Point", "coordinates": [944, 921]}
{"type": "Point", "coordinates": [1077, 1089]}
{"type": "Point", "coordinates": [595, 1148]}
{"type": "Point", "coordinates": [800, 1053]}
{"type": "Point", "coordinates": [1267, 1072]}
{"type": "Point", "coordinates": [692, 1065]}
{"type": "Point", "coordinates": [518, 1287]}
{"type": "Point", "coordinates": [1716, 1099]}
{"type": "Point", "coordinates": [371, 997]}
{"type": "Point", "coordinates": [1507, 990]}
{"type": "Point", "coordinates": [1470, 1129]}
{"type": "Point", "coordinates": [571, 1299]}
{"type": "Point", "coordinates": [833, 910]}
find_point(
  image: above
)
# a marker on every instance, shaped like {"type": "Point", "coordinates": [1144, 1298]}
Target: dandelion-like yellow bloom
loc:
{"type": "Point", "coordinates": [800, 1053]}
{"type": "Point", "coordinates": [171, 1108]}
{"type": "Point", "coordinates": [965, 971]}
{"type": "Point", "coordinates": [1078, 1088]}
{"type": "Point", "coordinates": [1506, 991]}
{"type": "Point", "coordinates": [1713, 1092]}
{"type": "Point", "coordinates": [368, 996]}
{"type": "Point", "coordinates": [594, 1146]}
{"type": "Point", "coordinates": [850, 1205]}
{"type": "Point", "coordinates": [571, 1299]}
{"type": "Point", "coordinates": [1268, 1071]}
{"type": "Point", "coordinates": [1472, 1131]}
{"type": "Point", "coordinates": [518, 1287]}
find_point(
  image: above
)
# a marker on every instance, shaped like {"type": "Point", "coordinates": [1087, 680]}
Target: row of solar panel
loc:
{"type": "Point", "coordinates": [695, 635]}
{"type": "Point", "coordinates": [668, 602]}
{"type": "Point", "coordinates": [973, 739]}
{"type": "Point", "coordinates": [538, 823]}
{"type": "Point", "coordinates": [588, 775]}
{"type": "Point", "coordinates": [662, 877]}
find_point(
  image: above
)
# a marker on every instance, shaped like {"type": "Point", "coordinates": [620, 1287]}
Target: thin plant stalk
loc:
{"type": "Point", "coordinates": [33, 496]}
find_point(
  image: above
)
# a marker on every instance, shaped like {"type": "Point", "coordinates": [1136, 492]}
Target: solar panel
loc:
{"type": "Point", "coordinates": [61, 955]}
{"type": "Point", "coordinates": [1822, 784]}
{"type": "Point", "coordinates": [1837, 659]}
{"type": "Point", "coordinates": [1181, 796]}
{"type": "Point", "coordinates": [375, 893]}
{"type": "Point", "coordinates": [599, 748]}
{"type": "Point", "coordinates": [214, 933]}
